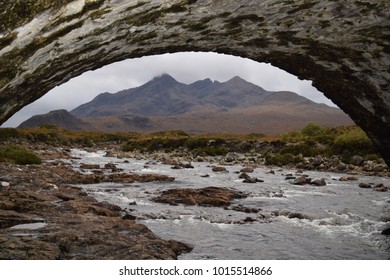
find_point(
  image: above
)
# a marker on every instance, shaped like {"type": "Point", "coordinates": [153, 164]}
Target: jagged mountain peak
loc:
{"type": "Point", "coordinates": [163, 103]}
{"type": "Point", "coordinates": [165, 80]}
{"type": "Point", "coordinates": [165, 96]}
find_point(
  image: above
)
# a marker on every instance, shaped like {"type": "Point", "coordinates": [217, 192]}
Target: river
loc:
{"type": "Point", "coordinates": [336, 221]}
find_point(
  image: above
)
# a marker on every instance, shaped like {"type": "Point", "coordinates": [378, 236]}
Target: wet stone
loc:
{"type": "Point", "coordinates": [364, 186]}
{"type": "Point", "coordinates": [210, 196]}
{"type": "Point", "coordinates": [219, 169]}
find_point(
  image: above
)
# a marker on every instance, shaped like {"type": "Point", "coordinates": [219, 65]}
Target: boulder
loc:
{"type": "Point", "coordinates": [253, 180]}
{"type": "Point", "coordinates": [210, 196]}
{"type": "Point", "coordinates": [302, 180]}
{"type": "Point", "coordinates": [5, 184]}
{"type": "Point", "coordinates": [89, 166]}
{"type": "Point", "coordinates": [247, 170]}
{"type": "Point", "coordinates": [318, 182]}
{"type": "Point", "coordinates": [364, 186]}
{"type": "Point", "coordinates": [348, 178]}
{"type": "Point", "coordinates": [219, 169]}
{"type": "Point", "coordinates": [357, 160]}
{"type": "Point", "coordinates": [297, 216]}
{"type": "Point", "coordinates": [244, 176]}
{"type": "Point", "coordinates": [386, 231]}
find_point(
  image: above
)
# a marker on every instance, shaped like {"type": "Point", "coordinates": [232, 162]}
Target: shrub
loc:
{"type": "Point", "coordinates": [18, 155]}
{"type": "Point", "coordinates": [282, 159]}
{"type": "Point", "coordinates": [8, 133]}
{"type": "Point", "coordinates": [306, 149]}
{"type": "Point", "coordinates": [312, 130]}
{"type": "Point", "coordinates": [354, 140]}
{"type": "Point", "coordinates": [211, 151]}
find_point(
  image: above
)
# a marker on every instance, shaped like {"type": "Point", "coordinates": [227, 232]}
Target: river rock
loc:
{"type": "Point", "coordinates": [302, 180]}
{"type": "Point", "coordinates": [78, 227]}
{"type": "Point", "coordinates": [357, 160]}
{"type": "Point", "coordinates": [219, 169]}
{"type": "Point", "coordinates": [379, 168]}
{"type": "Point", "coordinates": [253, 180]}
{"type": "Point", "coordinates": [244, 176]}
{"type": "Point", "coordinates": [241, 208]}
{"type": "Point", "coordinates": [364, 186]}
{"type": "Point", "coordinates": [297, 216]}
{"type": "Point", "coordinates": [186, 165]}
{"type": "Point", "coordinates": [342, 167]}
{"type": "Point", "coordinates": [210, 196]}
{"type": "Point", "coordinates": [348, 178]}
{"type": "Point", "coordinates": [247, 170]}
{"type": "Point", "coordinates": [386, 231]}
{"type": "Point", "coordinates": [231, 157]}
{"type": "Point", "coordinates": [90, 166]}
{"type": "Point", "coordinates": [290, 177]}
{"type": "Point", "coordinates": [111, 166]}
{"type": "Point", "coordinates": [176, 166]}
{"type": "Point", "coordinates": [249, 220]}
{"type": "Point", "coordinates": [381, 188]}
{"type": "Point", "coordinates": [318, 182]}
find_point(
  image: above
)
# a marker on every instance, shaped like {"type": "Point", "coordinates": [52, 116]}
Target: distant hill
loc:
{"type": "Point", "coordinates": [61, 118]}
{"type": "Point", "coordinates": [205, 106]}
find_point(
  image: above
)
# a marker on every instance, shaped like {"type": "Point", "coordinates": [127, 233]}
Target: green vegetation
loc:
{"type": "Point", "coordinates": [175, 140]}
{"type": "Point", "coordinates": [18, 155]}
{"type": "Point", "coordinates": [318, 140]}
{"type": "Point", "coordinates": [56, 136]}
{"type": "Point", "coordinates": [288, 148]}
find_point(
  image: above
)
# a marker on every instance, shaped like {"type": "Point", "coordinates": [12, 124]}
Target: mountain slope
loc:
{"type": "Point", "coordinates": [61, 118]}
{"type": "Point", "coordinates": [164, 96]}
{"type": "Point", "coordinates": [203, 107]}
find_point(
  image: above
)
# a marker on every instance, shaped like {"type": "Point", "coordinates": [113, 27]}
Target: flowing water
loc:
{"type": "Point", "coordinates": [337, 221]}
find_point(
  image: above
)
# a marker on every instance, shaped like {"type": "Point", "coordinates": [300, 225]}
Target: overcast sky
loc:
{"type": "Point", "coordinates": [184, 67]}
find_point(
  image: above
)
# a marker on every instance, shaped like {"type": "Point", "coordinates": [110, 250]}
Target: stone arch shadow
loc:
{"type": "Point", "coordinates": [342, 46]}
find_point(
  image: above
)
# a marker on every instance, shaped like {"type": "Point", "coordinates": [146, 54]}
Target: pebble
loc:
{"type": "Point", "coordinates": [5, 184]}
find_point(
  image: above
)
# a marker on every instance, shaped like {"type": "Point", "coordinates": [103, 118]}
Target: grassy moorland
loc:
{"type": "Point", "coordinates": [348, 145]}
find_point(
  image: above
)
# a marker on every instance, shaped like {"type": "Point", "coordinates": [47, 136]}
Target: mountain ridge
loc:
{"type": "Point", "coordinates": [203, 106]}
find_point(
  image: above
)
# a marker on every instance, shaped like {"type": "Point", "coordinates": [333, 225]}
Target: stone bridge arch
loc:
{"type": "Point", "coordinates": [342, 46]}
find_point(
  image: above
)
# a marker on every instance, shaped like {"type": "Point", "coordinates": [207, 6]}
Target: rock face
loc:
{"type": "Point", "coordinates": [42, 217]}
{"type": "Point", "coordinates": [342, 46]}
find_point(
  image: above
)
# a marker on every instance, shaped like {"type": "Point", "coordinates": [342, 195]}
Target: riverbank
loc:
{"type": "Point", "coordinates": [45, 213]}
{"type": "Point", "coordinates": [44, 216]}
